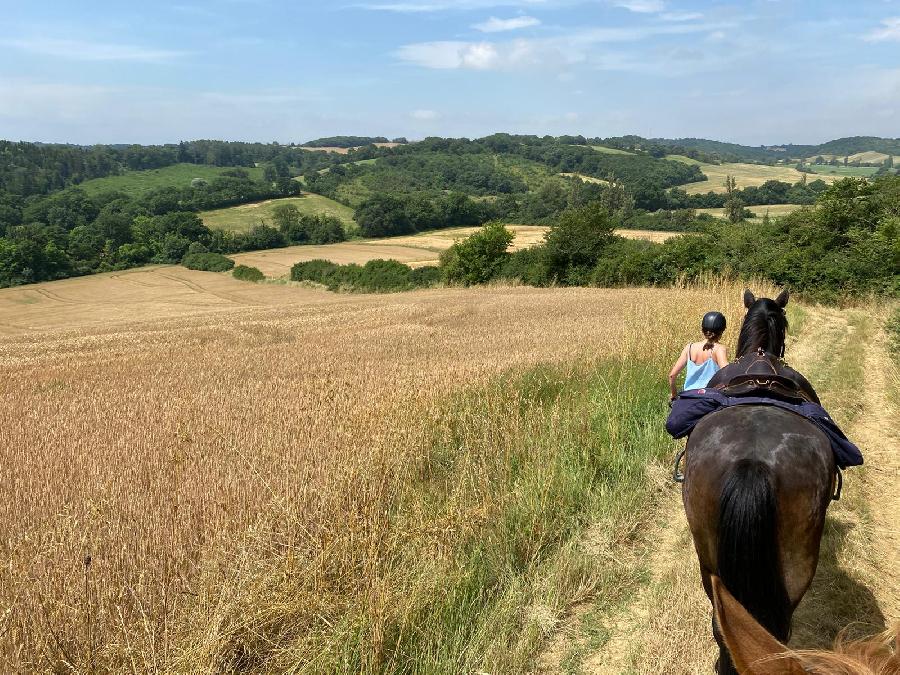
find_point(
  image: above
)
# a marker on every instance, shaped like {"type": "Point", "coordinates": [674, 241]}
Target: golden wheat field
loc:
{"type": "Point", "coordinates": [746, 175]}
{"type": "Point", "coordinates": [414, 250]}
{"type": "Point", "coordinates": [194, 466]}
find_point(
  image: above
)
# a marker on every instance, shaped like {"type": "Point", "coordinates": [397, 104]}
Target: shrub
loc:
{"type": "Point", "coordinates": [245, 273]}
{"type": "Point", "coordinates": [478, 258]}
{"type": "Point", "coordinates": [207, 262]}
{"type": "Point", "coordinates": [422, 277]}
{"type": "Point", "coordinates": [380, 276]}
{"type": "Point", "coordinates": [528, 266]}
{"type": "Point", "coordinates": [319, 271]}
{"type": "Point", "coordinates": [376, 276]}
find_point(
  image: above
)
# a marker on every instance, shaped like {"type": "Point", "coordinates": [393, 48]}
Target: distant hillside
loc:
{"type": "Point", "coordinates": [346, 141]}
{"type": "Point", "coordinates": [859, 144]}
{"type": "Point", "coordinates": [710, 150]}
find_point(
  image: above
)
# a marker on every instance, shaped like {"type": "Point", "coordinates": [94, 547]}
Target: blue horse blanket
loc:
{"type": "Point", "coordinates": [693, 405]}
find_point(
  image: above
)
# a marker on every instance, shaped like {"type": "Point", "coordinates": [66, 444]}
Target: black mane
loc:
{"type": "Point", "coordinates": [764, 326]}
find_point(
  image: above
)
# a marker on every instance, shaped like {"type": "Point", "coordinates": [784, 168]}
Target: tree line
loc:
{"type": "Point", "coordinates": [847, 245]}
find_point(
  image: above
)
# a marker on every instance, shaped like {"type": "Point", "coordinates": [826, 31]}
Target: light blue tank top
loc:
{"type": "Point", "coordinates": [699, 376]}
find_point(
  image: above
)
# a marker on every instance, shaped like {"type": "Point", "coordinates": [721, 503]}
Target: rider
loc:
{"type": "Point", "coordinates": [703, 359]}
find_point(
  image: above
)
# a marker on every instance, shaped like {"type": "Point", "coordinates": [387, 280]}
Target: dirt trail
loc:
{"type": "Point", "coordinates": [665, 626]}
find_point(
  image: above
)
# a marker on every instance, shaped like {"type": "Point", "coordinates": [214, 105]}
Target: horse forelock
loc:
{"type": "Point", "coordinates": [765, 325]}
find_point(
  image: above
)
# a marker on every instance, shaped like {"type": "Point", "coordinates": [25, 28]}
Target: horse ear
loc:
{"type": "Point", "coordinates": [782, 299]}
{"type": "Point", "coordinates": [753, 650]}
{"type": "Point", "coordinates": [749, 299]}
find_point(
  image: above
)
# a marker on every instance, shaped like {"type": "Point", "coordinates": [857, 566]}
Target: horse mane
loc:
{"type": "Point", "coordinates": [875, 656]}
{"type": "Point", "coordinates": [764, 326]}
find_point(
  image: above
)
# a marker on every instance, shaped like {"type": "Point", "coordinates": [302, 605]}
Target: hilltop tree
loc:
{"type": "Point", "coordinates": [734, 207]}
{"type": "Point", "coordinates": [479, 258]}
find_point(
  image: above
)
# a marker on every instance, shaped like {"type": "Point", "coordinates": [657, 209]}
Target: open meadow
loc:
{"type": "Point", "coordinates": [241, 218]}
{"type": "Point", "coordinates": [746, 175]}
{"type": "Point", "coordinates": [138, 183]}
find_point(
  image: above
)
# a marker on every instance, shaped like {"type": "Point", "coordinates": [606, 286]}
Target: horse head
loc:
{"type": "Point", "coordinates": [765, 324]}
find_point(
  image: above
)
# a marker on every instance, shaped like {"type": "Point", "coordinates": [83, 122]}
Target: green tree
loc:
{"type": "Point", "coordinates": [383, 215]}
{"type": "Point", "coordinates": [734, 207]}
{"type": "Point", "coordinates": [576, 241]}
{"type": "Point", "coordinates": [478, 258]}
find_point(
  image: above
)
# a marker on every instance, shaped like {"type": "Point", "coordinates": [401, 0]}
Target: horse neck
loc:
{"type": "Point", "coordinates": [760, 332]}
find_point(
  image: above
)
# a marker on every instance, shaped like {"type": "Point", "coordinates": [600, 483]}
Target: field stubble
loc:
{"type": "Point", "coordinates": [382, 483]}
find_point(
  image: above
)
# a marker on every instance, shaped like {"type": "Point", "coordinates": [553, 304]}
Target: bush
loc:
{"type": "Point", "coordinates": [422, 277]}
{"type": "Point", "coordinates": [207, 262]}
{"type": "Point", "coordinates": [381, 276]}
{"type": "Point", "coordinates": [624, 262]}
{"type": "Point", "coordinates": [245, 273]}
{"type": "Point", "coordinates": [320, 271]}
{"type": "Point", "coordinates": [528, 266]}
{"type": "Point", "coordinates": [478, 258]}
{"type": "Point", "coordinates": [376, 276]}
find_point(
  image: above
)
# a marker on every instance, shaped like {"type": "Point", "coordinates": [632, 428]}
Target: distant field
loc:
{"type": "Point", "coordinates": [414, 250]}
{"type": "Point", "coordinates": [607, 151]}
{"type": "Point", "coordinates": [746, 175]}
{"type": "Point", "coordinates": [843, 171]}
{"type": "Point", "coordinates": [586, 179]}
{"type": "Point", "coordinates": [346, 151]}
{"type": "Point", "coordinates": [242, 218]}
{"type": "Point", "coordinates": [137, 183]}
{"type": "Point", "coordinates": [868, 157]}
{"type": "Point", "coordinates": [775, 210]}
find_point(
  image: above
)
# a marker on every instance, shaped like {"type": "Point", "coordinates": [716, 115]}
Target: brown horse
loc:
{"type": "Point", "coordinates": [756, 652]}
{"type": "Point", "coordinates": [757, 483]}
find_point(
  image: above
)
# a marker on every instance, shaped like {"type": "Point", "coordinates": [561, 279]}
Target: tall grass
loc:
{"type": "Point", "coordinates": [477, 546]}
{"type": "Point", "coordinates": [412, 483]}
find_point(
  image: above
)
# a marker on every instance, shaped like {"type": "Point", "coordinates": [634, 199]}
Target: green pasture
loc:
{"type": "Point", "coordinates": [244, 216]}
{"type": "Point", "coordinates": [841, 170]}
{"type": "Point", "coordinates": [139, 183]}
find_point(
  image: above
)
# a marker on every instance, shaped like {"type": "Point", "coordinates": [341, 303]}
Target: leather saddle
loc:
{"type": "Point", "coordinates": [761, 374]}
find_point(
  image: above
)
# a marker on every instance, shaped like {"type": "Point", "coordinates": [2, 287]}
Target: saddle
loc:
{"type": "Point", "coordinates": [761, 374]}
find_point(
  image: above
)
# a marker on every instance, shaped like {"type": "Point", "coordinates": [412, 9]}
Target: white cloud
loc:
{"type": "Point", "coordinates": [495, 25]}
{"type": "Point", "coordinates": [451, 55]}
{"type": "Point", "coordinates": [641, 6]}
{"type": "Point", "coordinates": [890, 30]}
{"type": "Point", "coordinates": [92, 51]}
{"type": "Point", "coordinates": [424, 115]}
{"type": "Point", "coordinates": [545, 53]}
{"type": "Point", "coordinates": [680, 16]}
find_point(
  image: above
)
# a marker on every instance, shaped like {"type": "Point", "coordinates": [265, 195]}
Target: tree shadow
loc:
{"type": "Point", "coordinates": [836, 601]}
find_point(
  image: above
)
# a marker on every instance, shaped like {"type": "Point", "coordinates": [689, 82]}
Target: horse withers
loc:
{"type": "Point", "coordinates": [757, 484]}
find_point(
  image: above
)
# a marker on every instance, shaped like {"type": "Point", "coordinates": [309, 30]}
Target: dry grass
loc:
{"type": "Point", "coordinates": [774, 210]}
{"type": "Point", "coordinates": [746, 175]}
{"type": "Point", "coordinates": [284, 486]}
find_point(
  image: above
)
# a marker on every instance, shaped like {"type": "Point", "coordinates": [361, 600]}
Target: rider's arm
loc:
{"type": "Point", "coordinates": [721, 356]}
{"type": "Point", "coordinates": [677, 368]}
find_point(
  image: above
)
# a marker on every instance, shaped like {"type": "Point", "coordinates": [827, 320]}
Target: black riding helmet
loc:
{"type": "Point", "coordinates": [713, 322]}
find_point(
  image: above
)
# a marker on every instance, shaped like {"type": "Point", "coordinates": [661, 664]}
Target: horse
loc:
{"type": "Point", "coordinates": [755, 651]}
{"type": "Point", "coordinates": [757, 483]}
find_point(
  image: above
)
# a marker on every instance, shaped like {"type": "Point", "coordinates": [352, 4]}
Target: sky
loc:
{"type": "Point", "coordinates": [159, 71]}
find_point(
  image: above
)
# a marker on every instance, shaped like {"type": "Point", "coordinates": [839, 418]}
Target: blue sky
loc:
{"type": "Point", "coordinates": [763, 71]}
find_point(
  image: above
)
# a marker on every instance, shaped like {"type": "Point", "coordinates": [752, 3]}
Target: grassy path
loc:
{"type": "Point", "coordinates": [665, 625]}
